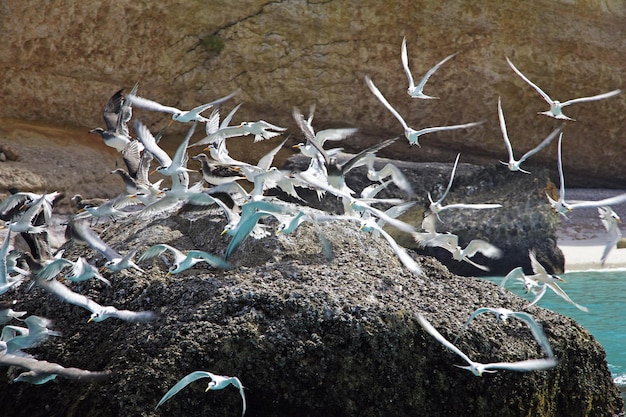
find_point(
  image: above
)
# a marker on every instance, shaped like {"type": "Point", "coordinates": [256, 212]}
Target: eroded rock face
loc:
{"type": "Point", "coordinates": [305, 335]}
{"type": "Point", "coordinates": [60, 59]}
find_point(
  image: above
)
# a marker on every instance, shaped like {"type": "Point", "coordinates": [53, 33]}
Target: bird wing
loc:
{"type": "Point", "coordinates": [515, 273]}
{"type": "Point", "coordinates": [434, 333]}
{"type": "Point", "coordinates": [148, 104]}
{"type": "Point", "coordinates": [523, 77]}
{"type": "Point", "coordinates": [560, 168]}
{"type": "Point", "coordinates": [78, 230]}
{"type": "Point", "coordinates": [505, 135]}
{"type": "Point", "coordinates": [266, 161]}
{"type": "Point", "coordinates": [471, 318]}
{"type": "Point", "coordinates": [383, 100]}
{"type": "Point", "coordinates": [535, 265]}
{"type": "Point", "coordinates": [445, 193]}
{"type": "Point", "coordinates": [400, 252]}
{"type": "Point", "coordinates": [63, 293]}
{"type": "Point", "coordinates": [535, 329]}
{"type": "Point", "coordinates": [182, 384]}
{"type": "Point", "coordinates": [149, 142]}
{"type": "Point", "coordinates": [131, 154]}
{"type": "Point", "coordinates": [44, 367]}
{"type": "Point", "coordinates": [482, 246]}
{"type": "Point", "coordinates": [357, 159]}
{"type": "Point", "coordinates": [611, 201]}
{"type": "Point", "coordinates": [543, 143]}
{"type": "Point", "coordinates": [112, 110]}
{"type": "Point", "coordinates": [523, 366]}
{"type": "Point", "coordinates": [157, 250]}
{"type": "Point", "coordinates": [405, 64]}
{"type": "Point", "coordinates": [591, 98]}
{"type": "Point", "coordinates": [133, 316]}
{"type": "Point", "coordinates": [213, 260]}
{"type": "Point", "coordinates": [431, 71]}
{"type": "Point", "coordinates": [442, 128]}
{"type": "Point", "coordinates": [559, 291]}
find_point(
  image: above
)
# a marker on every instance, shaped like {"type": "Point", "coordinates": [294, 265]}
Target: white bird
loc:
{"type": "Point", "coordinates": [123, 262]}
{"type": "Point", "coordinates": [41, 372]}
{"type": "Point", "coordinates": [429, 225]}
{"type": "Point", "coordinates": [8, 313]}
{"type": "Point", "coordinates": [556, 107]}
{"type": "Point", "coordinates": [35, 334]}
{"type": "Point", "coordinates": [478, 368]}
{"type": "Point", "coordinates": [262, 130]}
{"type": "Point", "coordinates": [411, 134]}
{"type": "Point", "coordinates": [529, 284]}
{"type": "Point", "coordinates": [503, 315]}
{"type": "Point", "coordinates": [183, 261]}
{"type": "Point", "coordinates": [389, 170]}
{"type": "Point", "coordinates": [563, 207]}
{"type": "Point", "coordinates": [417, 91]}
{"type": "Point", "coordinates": [25, 222]}
{"type": "Point", "coordinates": [515, 165]}
{"type": "Point", "coordinates": [217, 382]}
{"type": "Point", "coordinates": [177, 114]}
{"type": "Point", "coordinates": [611, 220]}
{"type": "Point", "coordinates": [450, 242]}
{"type": "Point", "coordinates": [542, 276]}
{"type": "Point", "coordinates": [98, 312]}
{"type": "Point", "coordinates": [437, 206]}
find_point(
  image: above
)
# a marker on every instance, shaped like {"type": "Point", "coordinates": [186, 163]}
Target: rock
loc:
{"type": "Point", "coordinates": [189, 53]}
{"type": "Point", "coordinates": [524, 222]}
{"type": "Point", "coordinates": [304, 335]}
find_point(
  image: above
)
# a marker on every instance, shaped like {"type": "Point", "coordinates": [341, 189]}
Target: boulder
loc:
{"type": "Point", "coordinates": [306, 336]}
{"type": "Point", "coordinates": [63, 58]}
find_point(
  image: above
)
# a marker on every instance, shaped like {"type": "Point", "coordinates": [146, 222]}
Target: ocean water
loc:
{"type": "Point", "coordinates": [603, 292]}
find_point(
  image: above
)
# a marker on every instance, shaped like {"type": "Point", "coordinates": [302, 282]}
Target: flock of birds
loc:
{"type": "Point", "coordinates": [245, 210]}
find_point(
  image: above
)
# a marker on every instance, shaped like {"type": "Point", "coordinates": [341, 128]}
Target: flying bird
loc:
{"type": "Point", "coordinates": [417, 91]}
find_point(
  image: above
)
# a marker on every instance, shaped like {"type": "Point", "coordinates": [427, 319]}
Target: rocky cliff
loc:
{"type": "Point", "coordinates": [61, 58]}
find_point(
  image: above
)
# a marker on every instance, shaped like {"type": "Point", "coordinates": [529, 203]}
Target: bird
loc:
{"type": "Point", "coordinates": [556, 107]}
{"type": "Point", "coordinates": [502, 315]}
{"type": "Point", "coordinates": [389, 170]}
{"type": "Point", "coordinates": [116, 114]}
{"type": "Point", "coordinates": [611, 220]}
{"type": "Point", "coordinates": [7, 314]}
{"type": "Point", "coordinates": [178, 115]}
{"type": "Point", "coordinates": [216, 173]}
{"type": "Point", "coordinates": [411, 134]}
{"type": "Point", "coordinates": [24, 224]}
{"type": "Point", "coordinates": [437, 206]}
{"type": "Point", "coordinates": [512, 164]}
{"type": "Point", "coordinates": [477, 368]}
{"type": "Point", "coordinates": [217, 382]}
{"type": "Point", "coordinates": [417, 91]}
{"type": "Point", "coordinates": [183, 261]}
{"type": "Point", "coordinates": [450, 242]}
{"type": "Point", "coordinates": [35, 334]}
{"type": "Point", "coordinates": [551, 281]}
{"type": "Point", "coordinates": [41, 371]}
{"type": "Point", "coordinates": [262, 130]}
{"type": "Point", "coordinates": [562, 206]}
{"type": "Point", "coordinates": [98, 312]}
{"type": "Point", "coordinates": [83, 270]}
{"type": "Point", "coordinates": [530, 285]}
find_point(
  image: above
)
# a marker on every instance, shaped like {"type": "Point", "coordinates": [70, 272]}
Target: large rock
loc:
{"type": "Point", "coordinates": [306, 336]}
{"type": "Point", "coordinates": [61, 61]}
{"type": "Point", "coordinates": [524, 222]}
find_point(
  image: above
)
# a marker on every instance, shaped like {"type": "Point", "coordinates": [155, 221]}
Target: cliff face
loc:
{"type": "Point", "coordinates": [61, 58]}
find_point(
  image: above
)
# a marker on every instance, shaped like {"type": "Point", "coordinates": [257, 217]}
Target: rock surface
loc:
{"type": "Point", "coordinates": [60, 59]}
{"type": "Point", "coordinates": [305, 336]}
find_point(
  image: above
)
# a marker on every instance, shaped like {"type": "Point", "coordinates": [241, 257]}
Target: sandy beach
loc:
{"type": "Point", "coordinates": [582, 237]}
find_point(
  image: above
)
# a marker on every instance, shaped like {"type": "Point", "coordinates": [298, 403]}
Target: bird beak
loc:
{"type": "Point", "coordinates": [223, 232]}
{"type": "Point", "coordinates": [90, 320]}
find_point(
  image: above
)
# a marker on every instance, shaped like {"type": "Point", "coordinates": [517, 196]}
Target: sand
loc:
{"type": "Point", "coordinates": [582, 237]}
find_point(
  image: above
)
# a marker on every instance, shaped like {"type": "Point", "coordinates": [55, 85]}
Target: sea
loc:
{"type": "Point", "coordinates": [603, 292]}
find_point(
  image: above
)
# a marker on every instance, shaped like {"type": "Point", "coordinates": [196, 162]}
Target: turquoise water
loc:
{"type": "Point", "coordinates": [604, 293]}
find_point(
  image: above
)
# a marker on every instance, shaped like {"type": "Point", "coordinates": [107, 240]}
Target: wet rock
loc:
{"type": "Point", "coordinates": [306, 336]}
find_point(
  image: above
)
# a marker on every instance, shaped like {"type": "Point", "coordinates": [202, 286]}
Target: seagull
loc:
{"type": "Point", "coordinates": [216, 173]}
{"type": "Point", "coordinates": [6, 282]}
{"type": "Point", "coordinates": [503, 315]}
{"type": "Point", "coordinates": [611, 221]}
{"type": "Point", "coordinates": [183, 261]}
{"type": "Point", "coordinates": [177, 114]}
{"type": "Point", "coordinates": [36, 333]}
{"type": "Point", "coordinates": [262, 130]}
{"type": "Point", "coordinates": [99, 312]}
{"type": "Point", "coordinates": [116, 114]}
{"type": "Point", "coordinates": [512, 164]}
{"type": "Point", "coordinates": [416, 91]}
{"type": "Point", "coordinates": [25, 223]}
{"type": "Point", "coordinates": [83, 270]}
{"type": "Point", "coordinates": [556, 107]}
{"type": "Point", "coordinates": [125, 262]}
{"type": "Point", "coordinates": [217, 382]}
{"type": "Point", "coordinates": [437, 207]}
{"type": "Point", "coordinates": [450, 242]}
{"type": "Point", "coordinates": [41, 372]}
{"type": "Point", "coordinates": [530, 285]}
{"type": "Point", "coordinates": [563, 207]}
{"type": "Point", "coordinates": [478, 368]}
{"type": "Point", "coordinates": [542, 277]}
{"type": "Point", "coordinates": [411, 134]}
